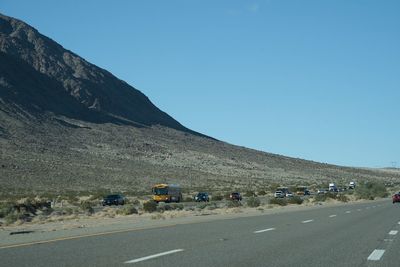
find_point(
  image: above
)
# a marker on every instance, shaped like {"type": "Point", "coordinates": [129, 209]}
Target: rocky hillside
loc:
{"type": "Point", "coordinates": [39, 75]}
{"type": "Point", "coordinates": [66, 124]}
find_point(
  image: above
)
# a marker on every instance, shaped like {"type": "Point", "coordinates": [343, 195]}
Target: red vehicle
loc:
{"type": "Point", "coordinates": [396, 198]}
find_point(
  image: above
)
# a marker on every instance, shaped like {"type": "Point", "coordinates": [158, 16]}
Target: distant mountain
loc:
{"type": "Point", "coordinates": [66, 124]}
{"type": "Point", "coordinates": [38, 75]}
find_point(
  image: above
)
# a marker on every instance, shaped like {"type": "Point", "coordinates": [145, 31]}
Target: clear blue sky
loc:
{"type": "Point", "coordinates": [313, 79]}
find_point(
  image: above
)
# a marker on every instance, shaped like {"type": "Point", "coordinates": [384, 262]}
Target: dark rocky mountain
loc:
{"type": "Point", "coordinates": [38, 75]}
{"type": "Point", "coordinates": [66, 124]}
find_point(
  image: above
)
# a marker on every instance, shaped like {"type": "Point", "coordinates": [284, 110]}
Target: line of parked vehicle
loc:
{"type": "Point", "coordinates": [173, 193]}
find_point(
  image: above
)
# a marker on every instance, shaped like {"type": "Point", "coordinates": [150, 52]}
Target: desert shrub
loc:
{"type": "Point", "coordinates": [69, 211]}
{"type": "Point", "coordinates": [278, 201]}
{"type": "Point", "coordinates": [212, 206]}
{"type": "Point", "coordinates": [46, 211]}
{"type": "Point", "coordinates": [150, 206]}
{"type": "Point", "coordinates": [342, 198]}
{"type": "Point", "coordinates": [332, 195]}
{"type": "Point", "coordinates": [127, 210]}
{"type": "Point", "coordinates": [71, 198]}
{"type": "Point", "coordinates": [227, 195]}
{"type": "Point", "coordinates": [253, 202]}
{"type": "Point", "coordinates": [177, 206]}
{"type": "Point", "coordinates": [187, 199]}
{"type": "Point", "coordinates": [217, 197]}
{"type": "Point", "coordinates": [5, 209]}
{"type": "Point", "coordinates": [250, 193]}
{"type": "Point", "coordinates": [15, 216]}
{"type": "Point", "coordinates": [295, 200]}
{"type": "Point", "coordinates": [201, 205]}
{"type": "Point", "coordinates": [261, 193]}
{"type": "Point", "coordinates": [371, 190]}
{"type": "Point", "coordinates": [233, 204]}
{"type": "Point", "coordinates": [134, 202]}
{"type": "Point", "coordinates": [86, 206]}
{"type": "Point", "coordinates": [320, 198]}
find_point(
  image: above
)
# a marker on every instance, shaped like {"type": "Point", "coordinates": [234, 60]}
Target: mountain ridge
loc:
{"type": "Point", "coordinates": [66, 124]}
{"type": "Point", "coordinates": [98, 95]}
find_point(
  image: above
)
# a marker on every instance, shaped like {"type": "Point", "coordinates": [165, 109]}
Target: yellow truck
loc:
{"type": "Point", "coordinates": [167, 193]}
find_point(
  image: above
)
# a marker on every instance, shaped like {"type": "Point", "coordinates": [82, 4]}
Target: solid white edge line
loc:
{"type": "Point", "coordinates": [333, 215]}
{"type": "Point", "coordinates": [307, 221]}
{"type": "Point", "coordinates": [265, 230]}
{"type": "Point", "coordinates": [154, 256]}
{"type": "Point", "coordinates": [376, 255]}
{"type": "Point", "coordinates": [393, 232]}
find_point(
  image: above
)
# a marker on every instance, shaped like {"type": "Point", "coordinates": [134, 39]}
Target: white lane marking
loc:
{"type": "Point", "coordinates": [333, 215]}
{"type": "Point", "coordinates": [307, 221]}
{"type": "Point", "coordinates": [348, 211]}
{"type": "Point", "coordinates": [376, 255]}
{"type": "Point", "coordinates": [393, 232]}
{"type": "Point", "coordinates": [358, 209]}
{"type": "Point", "coordinates": [265, 230]}
{"type": "Point", "coordinates": [398, 223]}
{"type": "Point", "coordinates": [368, 208]}
{"type": "Point", "coordinates": [154, 256]}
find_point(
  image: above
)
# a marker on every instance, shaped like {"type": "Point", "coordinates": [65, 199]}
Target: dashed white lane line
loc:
{"type": "Point", "coordinates": [367, 208]}
{"type": "Point", "coordinates": [393, 232]}
{"type": "Point", "coordinates": [307, 221]}
{"type": "Point", "coordinates": [264, 230]}
{"type": "Point", "coordinates": [333, 215]}
{"type": "Point", "coordinates": [154, 256]}
{"type": "Point", "coordinates": [358, 209]}
{"type": "Point", "coordinates": [376, 255]}
{"type": "Point", "coordinates": [348, 211]}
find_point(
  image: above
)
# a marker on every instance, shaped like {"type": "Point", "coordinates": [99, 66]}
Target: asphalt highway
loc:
{"type": "Point", "coordinates": [347, 235]}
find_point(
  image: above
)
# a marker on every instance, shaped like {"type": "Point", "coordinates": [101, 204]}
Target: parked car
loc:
{"type": "Point", "coordinates": [279, 194]}
{"type": "Point", "coordinates": [116, 199]}
{"type": "Point", "coordinates": [235, 196]}
{"type": "Point", "coordinates": [396, 197]}
{"type": "Point", "coordinates": [289, 194]}
{"type": "Point", "coordinates": [322, 191]}
{"type": "Point", "coordinates": [202, 196]}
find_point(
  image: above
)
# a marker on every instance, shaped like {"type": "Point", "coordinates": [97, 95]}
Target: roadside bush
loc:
{"type": "Point", "coordinates": [295, 200]}
{"type": "Point", "coordinates": [250, 193]}
{"type": "Point", "coordinates": [175, 206]}
{"type": "Point", "coordinates": [187, 199]}
{"type": "Point", "coordinates": [86, 206]}
{"type": "Point", "coordinates": [135, 202]}
{"type": "Point", "coordinates": [371, 190]}
{"type": "Point", "coordinates": [217, 197]}
{"type": "Point", "coordinates": [127, 210]}
{"type": "Point", "coordinates": [253, 202]}
{"type": "Point", "coordinates": [202, 205]}
{"type": "Point", "coordinates": [212, 206]}
{"type": "Point", "coordinates": [278, 201]}
{"type": "Point", "coordinates": [233, 204]}
{"type": "Point", "coordinates": [15, 216]}
{"type": "Point", "coordinates": [342, 198]}
{"type": "Point", "coordinates": [320, 198]}
{"type": "Point", "coordinates": [5, 209]}
{"type": "Point", "coordinates": [261, 193]}
{"type": "Point", "coordinates": [150, 206]}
